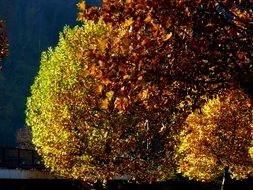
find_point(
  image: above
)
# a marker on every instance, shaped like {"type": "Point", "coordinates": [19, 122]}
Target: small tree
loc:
{"type": "Point", "coordinates": [217, 138]}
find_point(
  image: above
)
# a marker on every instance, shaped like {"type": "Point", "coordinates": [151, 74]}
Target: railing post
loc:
{"type": "Point", "coordinates": [19, 164]}
{"type": "Point", "coordinates": [33, 159]}
{"type": "Point", "coordinates": [3, 157]}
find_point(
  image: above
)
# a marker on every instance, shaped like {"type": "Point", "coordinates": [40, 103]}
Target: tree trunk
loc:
{"type": "Point", "coordinates": [225, 176]}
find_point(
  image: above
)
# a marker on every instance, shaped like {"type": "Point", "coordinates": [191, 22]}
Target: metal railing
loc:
{"type": "Point", "coordinates": [12, 158]}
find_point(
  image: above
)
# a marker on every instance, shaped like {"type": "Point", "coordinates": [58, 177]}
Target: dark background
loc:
{"type": "Point", "coordinates": [32, 26]}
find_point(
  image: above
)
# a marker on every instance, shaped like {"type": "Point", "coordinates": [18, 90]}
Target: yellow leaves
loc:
{"type": "Point", "coordinates": [167, 37]}
{"type": "Point", "coordinates": [128, 22]}
{"type": "Point", "coordinates": [102, 44]}
{"type": "Point", "coordinates": [126, 77]}
{"type": "Point", "coordinates": [220, 128]}
{"type": "Point", "coordinates": [148, 19]}
{"type": "Point", "coordinates": [143, 94]}
{"type": "Point", "coordinates": [105, 102]}
{"type": "Point", "coordinates": [109, 95]}
{"type": "Point", "coordinates": [140, 77]}
{"type": "Point", "coordinates": [129, 1]}
{"type": "Point", "coordinates": [212, 106]}
{"type": "Point", "coordinates": [81, 5]}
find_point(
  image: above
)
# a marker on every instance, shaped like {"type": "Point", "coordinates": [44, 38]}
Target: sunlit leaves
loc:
{"type": "Point", "coordinates": [109, 95]}
{"type": "Point", "coordinates": [218, 136]}
{"type": "Point", "coordinates": [83, 120]}
{"type": "Point", "coordinates": [81, 5]}
{"type": "Point", "coordinates": [128, 22]}
{"type": "Point", "coordinates": [122, 85]}
{"type": "Point", "coordinates": [168, 36]}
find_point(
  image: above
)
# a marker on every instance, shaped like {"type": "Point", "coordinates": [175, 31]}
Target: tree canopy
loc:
{"type": "Point", "coordinates": [113, 95]}
{"type": "Point", "coordinates": [217, 137]}
{"type": "Point", "coordinates": [84, 139]}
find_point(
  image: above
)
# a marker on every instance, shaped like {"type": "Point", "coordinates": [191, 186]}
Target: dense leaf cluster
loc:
{"type": "Point", "coordinates": [112, 98]}
{"type": "Point", "coordinates": [218, 137]}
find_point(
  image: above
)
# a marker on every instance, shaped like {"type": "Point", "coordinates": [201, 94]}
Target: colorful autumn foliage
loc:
{"type": "Point", "coordinates": [199, 46]}
{"type": "Point", "coordinates": [113, 95]}
{"type": "Point", "coordinates": [71, 113]}
{"type": "Point", "coordinates": [217, 137]}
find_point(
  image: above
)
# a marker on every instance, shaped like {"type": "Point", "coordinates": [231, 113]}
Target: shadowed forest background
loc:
{"type": "Point", "coordinates": [32, 26]}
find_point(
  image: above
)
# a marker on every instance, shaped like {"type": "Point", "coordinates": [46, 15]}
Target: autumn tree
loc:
{"type": "Point", "coordinates": [218, 138]}
{"type": "Point", "coordinates": [71, 113]}
{"type": "Point", "coordinates": [110, 98]}
{"type": "Point", "coordinates": [3, 42]}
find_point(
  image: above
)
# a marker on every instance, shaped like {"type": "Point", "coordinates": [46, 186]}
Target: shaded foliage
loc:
{"type": "Point", "coordinates": [202, 45]}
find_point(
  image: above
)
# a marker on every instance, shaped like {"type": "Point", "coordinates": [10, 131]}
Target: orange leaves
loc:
{"type": "Point", "coordinates": [81, 5]}
{"type": "Point", "coordinates": [121, 104]}
{"type": "Point", "coordinates": [128, 22]}
{"type": "Point", "coordinates": [105, 103]}
{"type": "Point", "coordinates": [148, 19]}
{"type": "Point", "coordinates": [99, 89]}
{"type": "Point", "coordinates": [129, 1]}
{"type": "Point", "coordinates": [105, 81]}
{"type": "Point", "coordinates": [143, 61]}
{"type": "Point", "coordinates": [95, 71]}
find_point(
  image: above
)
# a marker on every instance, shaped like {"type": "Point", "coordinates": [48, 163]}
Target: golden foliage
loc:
{"type": "Point", "coordinates": [218, 136]}
{"type": "Point", "coordinates": [111, 97]}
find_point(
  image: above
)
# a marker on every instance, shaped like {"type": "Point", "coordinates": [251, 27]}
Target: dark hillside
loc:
{"type": "Point", "coordinates": [32, 26]}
